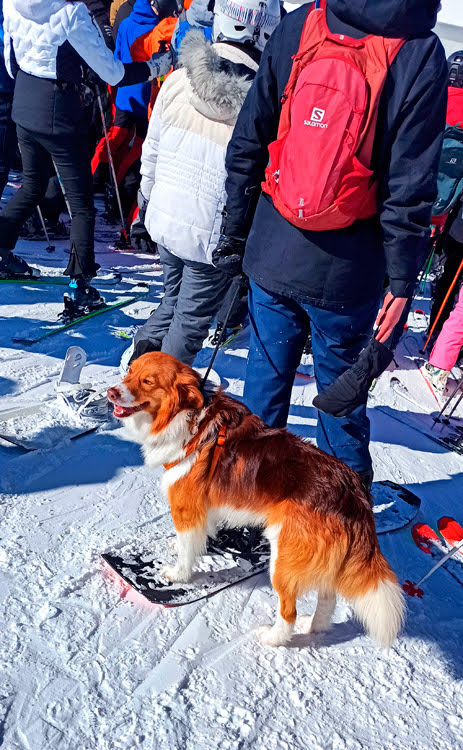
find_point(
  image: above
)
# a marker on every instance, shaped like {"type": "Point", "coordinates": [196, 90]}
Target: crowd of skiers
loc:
{"type": "Point", "coordinates": [284, 166]}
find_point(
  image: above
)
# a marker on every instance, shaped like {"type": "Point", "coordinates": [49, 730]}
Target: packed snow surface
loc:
{"type": "Point", "coordinates": [86, 664]}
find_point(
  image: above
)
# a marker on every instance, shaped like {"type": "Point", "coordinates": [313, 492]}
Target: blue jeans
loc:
{"type": "Point", "coordinates": [279, 329]}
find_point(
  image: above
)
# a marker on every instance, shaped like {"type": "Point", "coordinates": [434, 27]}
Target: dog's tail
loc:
{"type": "Point", "coordinates": [372, 589]}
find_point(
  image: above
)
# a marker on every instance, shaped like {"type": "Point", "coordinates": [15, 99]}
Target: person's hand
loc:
{"type": "Point", "coordinates": [389, 316]}
{"type": "Point", "coordinates": [160, 63]}
{"type": "Point", "coordinates": [228, 255]}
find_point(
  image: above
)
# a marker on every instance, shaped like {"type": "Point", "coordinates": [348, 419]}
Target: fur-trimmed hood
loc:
{"type": "Point", "coordinates": [219, 76]}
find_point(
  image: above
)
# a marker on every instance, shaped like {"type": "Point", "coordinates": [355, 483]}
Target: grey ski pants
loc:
{"type": "Point", "coordinates": [193, 295]}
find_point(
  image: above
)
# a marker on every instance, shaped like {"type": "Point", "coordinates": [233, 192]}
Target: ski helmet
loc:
{"type": "Point", "coordinates": [167, 8]}
{"type": "Point", "coordinates": [248, 22]}
{"type": "Point", "coordinates": [455, 62]}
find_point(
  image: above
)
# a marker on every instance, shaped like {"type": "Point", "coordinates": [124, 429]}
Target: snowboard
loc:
{"type": "Point", "coordinates": [227, 561]}
{"type": "Point", "coordinates": [45, 424]}
{"type": "Point", "coordinates": [234, 556]}
{"type": "Point", "coordinates": [41, 426]}
{"type": "Point", "coordinates": [394, 506]}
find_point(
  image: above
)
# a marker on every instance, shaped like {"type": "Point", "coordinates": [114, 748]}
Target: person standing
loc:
{"type": "Point", "coordinates": [7, 129]}
{"type": "Point", "coordinates": [321, 263]}
{"type": "Point", "coordinates": [46, 44]}
{"type": "Point", "coordinates": [183, 172]}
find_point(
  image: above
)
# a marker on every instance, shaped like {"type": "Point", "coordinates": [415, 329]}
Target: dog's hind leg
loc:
{"type": "Point", "coordinates": [321, 619]}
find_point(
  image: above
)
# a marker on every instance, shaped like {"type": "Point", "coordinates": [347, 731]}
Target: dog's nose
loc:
{"type": "Point", "coordinates": [113, 393]}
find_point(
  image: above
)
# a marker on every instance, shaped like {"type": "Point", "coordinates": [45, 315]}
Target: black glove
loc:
{"type": "Point", "coordinates": [228, 255]}
{"type": "Point", "coordinates": [139, 236]}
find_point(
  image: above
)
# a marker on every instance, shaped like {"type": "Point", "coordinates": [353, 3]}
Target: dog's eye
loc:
{"type": "Point", "coordinates": [147, 381]}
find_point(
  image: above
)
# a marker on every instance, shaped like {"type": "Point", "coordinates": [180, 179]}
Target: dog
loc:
{"type": "Point", "coordinates": [225, 467]}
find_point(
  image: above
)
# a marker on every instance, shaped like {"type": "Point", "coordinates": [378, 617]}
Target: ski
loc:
{"type": "Point", "coordinates": [402, 390]}
{"type": "Point", "coordinates": [453, 442]}
{"type": "Point", "coordinates": [45, 330]}
{"type": "Point", "coordinates": [428, 542]}
{"type": "Point", "coordinates": [452, 532]}
{"type": "Point", "coordinates": [419, 364]}
{"type": "Point", "coordinates": [113, 278]}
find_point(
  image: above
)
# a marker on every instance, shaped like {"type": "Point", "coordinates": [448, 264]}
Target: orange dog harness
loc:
{"type": "Point", "coordinates": [219, 443]}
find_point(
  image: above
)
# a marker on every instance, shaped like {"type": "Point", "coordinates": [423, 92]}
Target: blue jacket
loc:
{"type": "Point", "coordinates": [6, 83]}
{"type": "Point", "coordinates": [346, 266]}
{"type": "Point", "coordinates": [142, 19]}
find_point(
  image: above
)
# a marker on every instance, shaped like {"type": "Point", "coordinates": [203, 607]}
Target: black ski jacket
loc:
{"type": "Point", "coordinates": [347, 266]}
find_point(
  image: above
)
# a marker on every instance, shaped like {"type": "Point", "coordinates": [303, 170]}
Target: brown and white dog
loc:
{"type": "Point", "coordinates": [312, 507]}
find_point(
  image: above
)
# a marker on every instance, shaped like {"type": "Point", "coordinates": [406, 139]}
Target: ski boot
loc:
{"type": "Point", "coordinates": [436, 377]}
{"type": "Point", "coordinates": [14, 267]}
{"type": "Point", "coordinates": [81, 299]}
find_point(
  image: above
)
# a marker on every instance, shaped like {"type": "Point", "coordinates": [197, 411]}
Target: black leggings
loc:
{"type": "Point", "coordinates": [71, 157]}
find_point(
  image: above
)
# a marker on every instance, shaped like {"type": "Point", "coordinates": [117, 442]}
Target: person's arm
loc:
{"type": "Point", "coordinates": [86, 38]}
{"type": "Point", "coordinates": [409, 159]}
{"type": "Point", "coordinates": [99, 12]}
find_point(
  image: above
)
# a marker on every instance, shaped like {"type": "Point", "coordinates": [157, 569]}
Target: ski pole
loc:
{"type": "Point", "coordinates": [455, 406]}
{"type": "Point", "coordinates": [460, 267]}
{"type": "Point", "coordinates": [68, 207]}
{"type": "Point", "coordinates": [413, 589]}
{"type": "Point", "coordinates": [49, 248]}
{"type": "Point", "coordinates": [221, 337]}
{"type": "Point", "coordinates": [424, 278]}
{"type": "Point", "coordinates": [452, 395]}
{"type": "Point", "coordinates": [113, 171]}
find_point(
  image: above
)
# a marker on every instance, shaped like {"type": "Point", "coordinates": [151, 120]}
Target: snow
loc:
{"type": "Point", "coordinates": [86, 664]}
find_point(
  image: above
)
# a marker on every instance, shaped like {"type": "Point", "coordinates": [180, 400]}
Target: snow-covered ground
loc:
{"type": "Point", "coordinates": [88, 665]}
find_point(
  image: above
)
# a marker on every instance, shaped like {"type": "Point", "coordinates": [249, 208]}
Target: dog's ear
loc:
{"type": "Point", "coordinates": [189, 395]}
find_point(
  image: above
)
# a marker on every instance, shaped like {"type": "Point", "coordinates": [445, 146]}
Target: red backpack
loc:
{"type": "Point", "coordinates": [319, 174]}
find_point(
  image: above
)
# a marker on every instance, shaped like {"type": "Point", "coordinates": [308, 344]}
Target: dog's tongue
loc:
{"type": "Point", "coordinates": [125, 411]}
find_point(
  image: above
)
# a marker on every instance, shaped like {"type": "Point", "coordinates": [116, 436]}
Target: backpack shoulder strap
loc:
{"type": "Point", "coordinates": [313, 33]}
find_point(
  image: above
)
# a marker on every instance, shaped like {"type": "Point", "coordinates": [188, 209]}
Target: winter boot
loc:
{"type": "Point", "coordinates": [14, 267]}
{"type": "Point", "coordinates": [436, 377]}
{"type": "Point", "coordinates": [81, 298]}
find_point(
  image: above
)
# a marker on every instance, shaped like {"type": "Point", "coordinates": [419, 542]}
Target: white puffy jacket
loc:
{"type": "Point", "coordinates": [37, 29]}
{"type": "Point", "coordinates": [183, 159]}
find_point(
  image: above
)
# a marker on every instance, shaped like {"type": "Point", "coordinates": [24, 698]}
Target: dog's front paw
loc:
{"type": "Point", "coordinates": [175, 574]}
{"type": "Point", "coordinates": [271, 635]}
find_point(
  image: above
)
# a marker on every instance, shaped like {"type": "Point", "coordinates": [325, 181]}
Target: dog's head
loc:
{"type": "Point", "coordinates": [158, 385]}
